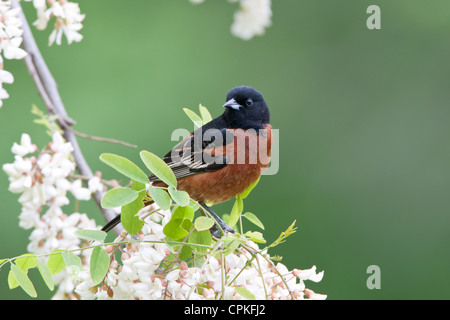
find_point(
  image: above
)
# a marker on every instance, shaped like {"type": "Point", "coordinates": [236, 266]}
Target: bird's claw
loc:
{"type": "Point", "coordinates": [217, 232]}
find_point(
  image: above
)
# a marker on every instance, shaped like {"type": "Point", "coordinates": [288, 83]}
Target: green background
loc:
{"type": "Point", "coordinates": [364, 120]}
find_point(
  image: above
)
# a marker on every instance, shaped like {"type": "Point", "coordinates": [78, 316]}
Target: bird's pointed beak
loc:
{"type": "Point", "coordinates": [232, 104]}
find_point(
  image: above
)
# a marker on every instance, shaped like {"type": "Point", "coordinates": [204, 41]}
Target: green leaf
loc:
{"type": "Point", "coordinates": [72, 261]}
{"type": "Point", "coordinates": [255, 236]}
{"type": "Point", "coordinates": [159, 168]}
{"type": "Point", "coordinates": [282, 238]}
{"type": "Point", "coordinates": [185, 252]}
{"type": "Point", "coordinates": [46, 275]}
{"type": "Point", "coordinates": [237, 209]}
{"type": "Point", "coordinates": [180, 224]}
{"type": "Point", "coordinates": [23, 280]}
{"type": "Point", "coordinates": [206, 116]}
{"type": "Point", "coordinates": [244, 194]}
{"type": "Point", "coordinates": [55, 262]}
{"type": "Point", "coordinates": [174, 229]}
{"type": "Point", "coordinates": [99, 265]}
{"type": "Point", "coordinates": [179, 196]}
{"type": "Point", "coordinates": [188, 212]}
{"type": "Point", "coordinates": [130, 221]}
{"type": "Point", "coordinates": [196, 119]}
{"type": "Point", "coordinates": [12, 282]}
{"type": "Point", "coordinates": [245, 293]}
{"type": "Point", "coordinates": [118, 197]}
{"type": "Point", "coordinates": [276, 258]}
{"type": "Point", "coordinates": [24, 262]}
{"type": "Point", "coordinates": [137, 186]}
{"type": "Point", "coordinates": [253, 219]}
{"type": "Point", "coordinates": [160, 197]}
{"type": "Point", "coordinates": [124, 166]}
{"type": "Point", "coordinates": [91, 235]}
{"type": "Point", "coordinates": [203, 223]}
{"type": "Point", "coordinates": [200, 237]}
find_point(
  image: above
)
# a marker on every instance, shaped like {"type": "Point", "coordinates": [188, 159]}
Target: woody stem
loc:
{"type": "Point", "coordinates": [48, 90]}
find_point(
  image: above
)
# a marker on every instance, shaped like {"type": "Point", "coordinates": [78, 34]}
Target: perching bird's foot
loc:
{"type": "Point", "coordinates": [215, 229]}
{"type": "Point", "coordinates": [216, 232]}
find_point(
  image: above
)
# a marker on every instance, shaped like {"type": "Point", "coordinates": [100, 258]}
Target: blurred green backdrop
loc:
{"type": "Point", "coordinates": [364, 120]}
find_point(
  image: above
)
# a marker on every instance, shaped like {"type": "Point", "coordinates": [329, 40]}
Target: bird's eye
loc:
{"type": "Point", "coordinates": [249, 102]}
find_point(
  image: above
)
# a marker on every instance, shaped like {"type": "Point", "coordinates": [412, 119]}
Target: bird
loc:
{"type": "Point", "coordinates": [222, 158]}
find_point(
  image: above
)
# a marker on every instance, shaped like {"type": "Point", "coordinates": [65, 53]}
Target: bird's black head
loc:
{"type": "Point", "coordinates": [245, 109]}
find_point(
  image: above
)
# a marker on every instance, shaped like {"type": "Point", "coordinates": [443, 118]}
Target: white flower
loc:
{"type": "Point", "coordinates": [6, 77]}
{"type": "Point", "coordinates": [12, 51]}
{"type": "Point", "coordinates": [25, 147]}
{"type": "Point", "coordinates": [55, 36]}
{"type": "Point", "coordinates": [308, 274]}
{"type": "Point", "coordinates": [19, 174]}
{"type": "Point", "coordinates": [79, 192]}
{"type": "Point", "coordinates": [315, 296]}
{"type": "Point", "coordinates": [142, 275]}
{"type": "Point", "coordinates": [10, 23]}
{"type": "Point", "coordinates": [10, 41]}
{"type": "Point", "coordinates": [60, 145]}
{"type": "Point", "coordinates": [28, 217]}
{"type": "Point", "coordinates": [68, 21]}
{"type": "Point", "coordinates": [43, 181]}
{"type": "Point", "coordinates": [37, 3]}
{"type": "Point", "coordinates": [173, 275]}
{"type": "Point", "coordinates": [42, 19]}
{"type": "Point", "coordinates": [95, 185]}
{"type": "Point", "coordinates": [253, 17]}
{"type": "Point", "coordinates": [3, 95]}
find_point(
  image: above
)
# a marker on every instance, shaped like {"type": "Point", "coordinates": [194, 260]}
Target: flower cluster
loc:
{"type": "Point", "coordinates": [68, 19]}
{"type": "Point", "coordinates": [44, 181]}
{"type": "Point", "coordinates": [150, 270]}
{"type": "Point", "coordinates": [68, 22]}
{"type": "Point", "coordinates": [252, 18]}
{"type": "Point", "coordinates": [10, 40]}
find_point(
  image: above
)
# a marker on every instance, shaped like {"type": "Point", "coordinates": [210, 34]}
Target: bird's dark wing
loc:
{"type": "Point", "coordinates": [201, 151]}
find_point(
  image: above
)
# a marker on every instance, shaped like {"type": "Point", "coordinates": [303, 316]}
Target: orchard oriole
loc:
{"type": "Point", "coordinates": [225, 156]}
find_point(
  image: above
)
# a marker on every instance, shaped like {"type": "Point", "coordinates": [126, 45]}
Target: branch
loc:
{"type": "Point", "coordinates": [86, 136]}
{"type": "Point", "coordinates": [48, 90]}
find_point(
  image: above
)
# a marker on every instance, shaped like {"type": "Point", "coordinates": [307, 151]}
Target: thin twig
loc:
{"type": "Point", "coordinates": [111, 183]}
{"type": "Point", "coordinates": [262, 277]}
{"type": "Point", "coordinates": [110, 140]}
{"type": "Point", "coordinates": [48, 90]}
{"type": "Point", "coordinates": [280, 275]}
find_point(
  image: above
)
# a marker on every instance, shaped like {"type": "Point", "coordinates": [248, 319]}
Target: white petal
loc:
{"type": "Point", "coordinates": [3, 94]}
{"type": "Point", "coordinates": [39, 3]}
{"type": "Point", "coordinates": [6, 76]}
{"type": "Point", "coordinates": [52, 37]}
{"type": "Point", "coordinates": [12, 52]}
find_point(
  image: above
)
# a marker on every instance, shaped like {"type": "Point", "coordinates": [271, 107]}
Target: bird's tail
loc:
{"type": "Point", "coordinates": [111, 224]}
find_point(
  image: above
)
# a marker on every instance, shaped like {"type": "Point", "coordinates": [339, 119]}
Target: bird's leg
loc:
{"type": "Point", "coordinates": [215, 231]}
